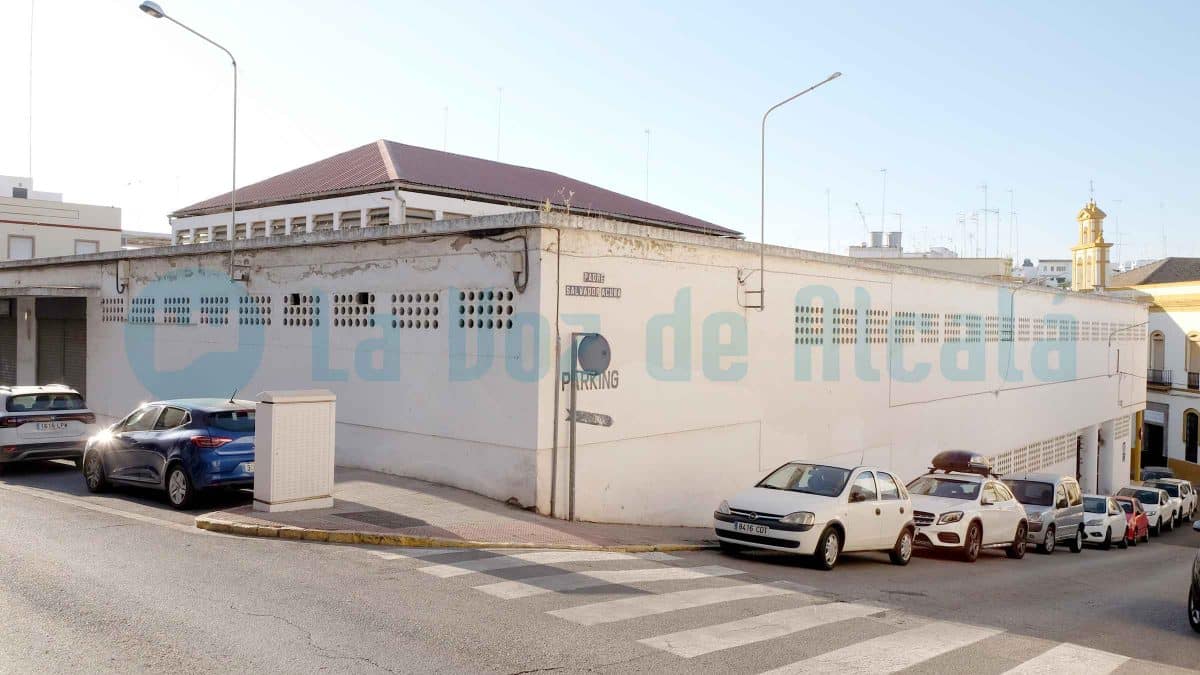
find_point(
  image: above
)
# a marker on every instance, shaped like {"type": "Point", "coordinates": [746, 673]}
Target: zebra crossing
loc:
{"type": "Point", "coordinates": [895, 641]}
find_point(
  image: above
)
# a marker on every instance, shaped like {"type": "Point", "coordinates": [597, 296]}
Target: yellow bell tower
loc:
{"type": "Point", "coordinates": [1089, 270]}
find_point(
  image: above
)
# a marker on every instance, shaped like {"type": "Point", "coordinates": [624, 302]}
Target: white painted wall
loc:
{"type": "Point", "coordinates": [677, 447]}
{"type": "Point", "coordinates": [1176, 325]}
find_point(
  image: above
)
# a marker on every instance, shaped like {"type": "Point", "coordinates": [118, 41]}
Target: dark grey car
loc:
{"type": "Point", "coordinates": [1054, 505]}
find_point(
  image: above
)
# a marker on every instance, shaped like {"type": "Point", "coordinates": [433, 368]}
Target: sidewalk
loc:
{"type": "Point", "coordinates": [377, 508]}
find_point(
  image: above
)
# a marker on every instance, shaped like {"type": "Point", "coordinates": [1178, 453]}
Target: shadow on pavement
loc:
{"type": "Point", "coordinates": [62, 477]}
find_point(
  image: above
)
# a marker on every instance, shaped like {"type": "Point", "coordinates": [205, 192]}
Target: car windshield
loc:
{"type": "Point", "coordinates": [1095, 505]}
{"type": "Point", "coordinates": [1171, 488]}
{"type": "Point", "coordinates": [232, 420]}
{"type": "Point", "coordinates": [1143, 496]}
{"type": "Point", "coordinates": [1127, 506]}
{"type": "Point", "coordinates": [937, 486]}
{"type": "Point", "coordinates": [814, 479]}
{"type": "Point", "coordinates": [1033, 493]}
{"type": "Point", "coordinates": [45, 402]}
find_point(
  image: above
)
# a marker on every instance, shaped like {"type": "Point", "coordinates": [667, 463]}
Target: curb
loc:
{"type": "Point", "coordinates": [412, 541]}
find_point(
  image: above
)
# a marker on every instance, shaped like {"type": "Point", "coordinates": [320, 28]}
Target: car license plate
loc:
{"type": "Point", "coordinates": [51, 426]}
{"type": "Point", "coordinates": [249, 467]}
{"type": "Point", "coordinates": [752, 529]}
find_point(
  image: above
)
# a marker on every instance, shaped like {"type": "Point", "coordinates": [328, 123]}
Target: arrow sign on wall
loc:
{"type": "Point", "coordinates": [595, 419]}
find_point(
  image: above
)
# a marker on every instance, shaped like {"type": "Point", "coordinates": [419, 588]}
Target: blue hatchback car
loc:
{"type": "Point", "coordinates": [181, 446]}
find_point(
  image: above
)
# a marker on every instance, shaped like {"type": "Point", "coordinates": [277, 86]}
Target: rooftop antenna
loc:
{"type": "Point", "coordinates": [828, 224]}
{"type": "Point", "coordinates": [883, 201]}
{"type": "Point", "coordinates": [235, 391]}
{"type": "Point", "coordinates": [647, 165]}
{"type": "Point", "coordinates": [1012, 219]}
{"type": "Point", "coordinates": [499, 99]}
{"type": "Point", "coordinates": [31, 4]}
{"type": "Point", "coordinates": [985, 222]}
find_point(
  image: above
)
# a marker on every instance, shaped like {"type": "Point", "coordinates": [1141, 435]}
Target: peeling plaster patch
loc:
{"type": "Point", "coordinates": [426, 264]}
{"type": "Point", "coordinates": [459, 243]}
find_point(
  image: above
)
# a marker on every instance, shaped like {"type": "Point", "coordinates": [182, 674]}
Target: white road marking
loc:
{"type": "Point", "coordinates": [646, 605]}
{"type": "Point", "coordinates": [511, 590]}
{"type": "Point", "coordinates": [699, 641]}
{"type": "Point", "coordinates": [508, 561]}
{"type": "Point", "coordinates": [891, 653]}
{"type": "Point", "coordinates": [1068, 659]}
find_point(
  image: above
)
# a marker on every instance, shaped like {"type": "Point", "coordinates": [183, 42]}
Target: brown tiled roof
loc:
{"type": "Point", "coordinates": [383, 163]}
{"type": "Point", "coordinates": [1165, 271]}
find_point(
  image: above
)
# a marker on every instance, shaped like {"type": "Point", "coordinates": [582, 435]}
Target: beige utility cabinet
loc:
{"type": "Point", "coordinates": [294, 439]}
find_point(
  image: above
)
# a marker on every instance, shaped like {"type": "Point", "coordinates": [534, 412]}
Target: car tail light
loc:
{"type": "Point", "coordinates": [10, 422]}
{"type": "Point", "coordinates": [209, 442]}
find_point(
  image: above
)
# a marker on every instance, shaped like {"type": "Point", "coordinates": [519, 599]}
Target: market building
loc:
{"type": "Point", "coordinates": [447, 342]}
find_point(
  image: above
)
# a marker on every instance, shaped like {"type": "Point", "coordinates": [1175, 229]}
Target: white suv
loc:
{"type": "Point", "coordinates": [961, 505]}
{"type": "Point", "coordinates": [43, 422]}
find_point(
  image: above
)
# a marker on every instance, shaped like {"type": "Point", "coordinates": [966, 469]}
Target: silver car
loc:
{"type": "Point", "coordinates": [1054, 505]}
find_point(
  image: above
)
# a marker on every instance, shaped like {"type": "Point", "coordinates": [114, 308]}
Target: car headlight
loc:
{"type": "Point", "coordinates": [1094, 523]}
{"type": "Point", "coordinates": [723, 509]}
{"type": "Point", "coordinates": [1152, 513]}
{"type": "Point", "coordinates": [798, 518]}
{"type": "Point", "coordinates": [950, 517]}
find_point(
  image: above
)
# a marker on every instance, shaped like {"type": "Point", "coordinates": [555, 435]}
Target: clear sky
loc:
{"type": "Point", "coordinates": [1035, 97]}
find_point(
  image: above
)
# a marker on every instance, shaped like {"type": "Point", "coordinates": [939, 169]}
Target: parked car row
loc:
{"type": "Point", "coordinates": [960, 506]}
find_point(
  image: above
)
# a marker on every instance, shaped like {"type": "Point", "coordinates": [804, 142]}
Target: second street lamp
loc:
{"type": "Point", "coordinates": [155, 10]}
{"type": "Point", "coordinates": [762, 183]}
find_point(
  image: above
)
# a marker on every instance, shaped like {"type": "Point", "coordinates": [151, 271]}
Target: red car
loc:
{"type": "Point", "coordinates": [1137, 525]}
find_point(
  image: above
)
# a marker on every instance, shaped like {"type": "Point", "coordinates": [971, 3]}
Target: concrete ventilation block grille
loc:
{"type": "Point", "coordinates": [931, 323]}
{"type": "Point", "coordinates": [416, 310]}
{"type": "Point", "coordinates": [354, 310]}
{"type": "Point", "coordinates": [809, 323]}
{"type": "Point", "coordinates": [877, 326]}
{"type": "Point", "coordinates": [214, 310]}
{"type": "Point", "coordinates": [177, 311]}
{"type": "Point", "coordinates": [143, 310]}
{"type": "Point", "coordinates": [300, 310]}
{"type": "Point", "coordinates": [112, 310]}
{"type": "Point", "coordinates": [904, 329]}
{"type": "Point", "coordinates": [489, 309]}
{"type": "Point", "coordinates": [845, 325]}
{"type": "Point", "coordinates": [254, 310]}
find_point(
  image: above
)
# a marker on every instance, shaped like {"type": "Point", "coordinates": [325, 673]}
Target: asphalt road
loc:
{"type": "Point", "coordinates": [123, 583]}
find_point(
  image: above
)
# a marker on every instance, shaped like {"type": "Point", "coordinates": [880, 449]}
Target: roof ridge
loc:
{"type": "Point", "coordinates": [388, 164]}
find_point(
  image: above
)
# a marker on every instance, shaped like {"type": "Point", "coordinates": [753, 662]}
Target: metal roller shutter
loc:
{"type": "Point", "coordinates": [62, 342]}
{"type": "Point", "coordinates": [8, 350]}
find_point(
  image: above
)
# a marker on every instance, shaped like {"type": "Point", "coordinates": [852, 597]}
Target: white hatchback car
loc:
{"type": "Point", "coordinates": [43, 422]}
{"type": "Point", "coordinates": [966, 508]}
{"type": "Point", "coordinates": [822, 511]}
{"type": "Point", "coordinates": [1103, 521]}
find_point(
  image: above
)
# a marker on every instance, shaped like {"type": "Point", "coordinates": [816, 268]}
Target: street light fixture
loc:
{"type": "Point", "coordinates": [155, 10]}
{"type": "Point", "coordinates": [762, 182]}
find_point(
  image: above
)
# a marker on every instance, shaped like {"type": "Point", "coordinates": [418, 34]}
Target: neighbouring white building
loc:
{"type": "Point", "coordinates": [889, 246]}
{"type": "Point", "coordinates": [447, 343]}
{"type": "Point", "coordinates": [1171, 423]}
{"type": "Point", "coordinates": [40, 224]}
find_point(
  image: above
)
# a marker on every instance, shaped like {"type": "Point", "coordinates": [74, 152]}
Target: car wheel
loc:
{"type": "Point", "coordinates": [1077, 542]}
{"type": "Point", "coordinates": [1107, 540]}
{"type": "Point", "coordinates": [1194, 607]}
{"type": "Point", "coordinates": [970, 549]}
{"type": "Point", "coordinates": [901, 553]}
{"type": "Point", "coordinates": [179, 488]}
{"type": "Point", "coordinates": [1124, 543]}
{"type": "Point", "coordinates": [829, 546]}
{"type": "Point", "coordinates": [1146, 536]}
{"type": "Point", "coordinates": [1048, 542]}
{"type": "Point", "coordinates": [729, 547]}
{"type": "Point", "coordinates": [93, 473]}
{"type": "Point", "coordinates": [1156, 529]}
{"type": "Point", "coordinates": [1170, 525]}
{"type": "Point", "coordinates": [1017, 549]}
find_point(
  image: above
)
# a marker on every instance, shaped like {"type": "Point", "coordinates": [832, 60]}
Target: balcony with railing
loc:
{"type": "Point", "coordinates": [1193, 381]}
{"type": "Point", "coordinates": [1158, 378]}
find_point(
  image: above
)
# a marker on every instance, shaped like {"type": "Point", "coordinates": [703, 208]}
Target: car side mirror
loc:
{"type": "Point", "coordinates": [986, 501]}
